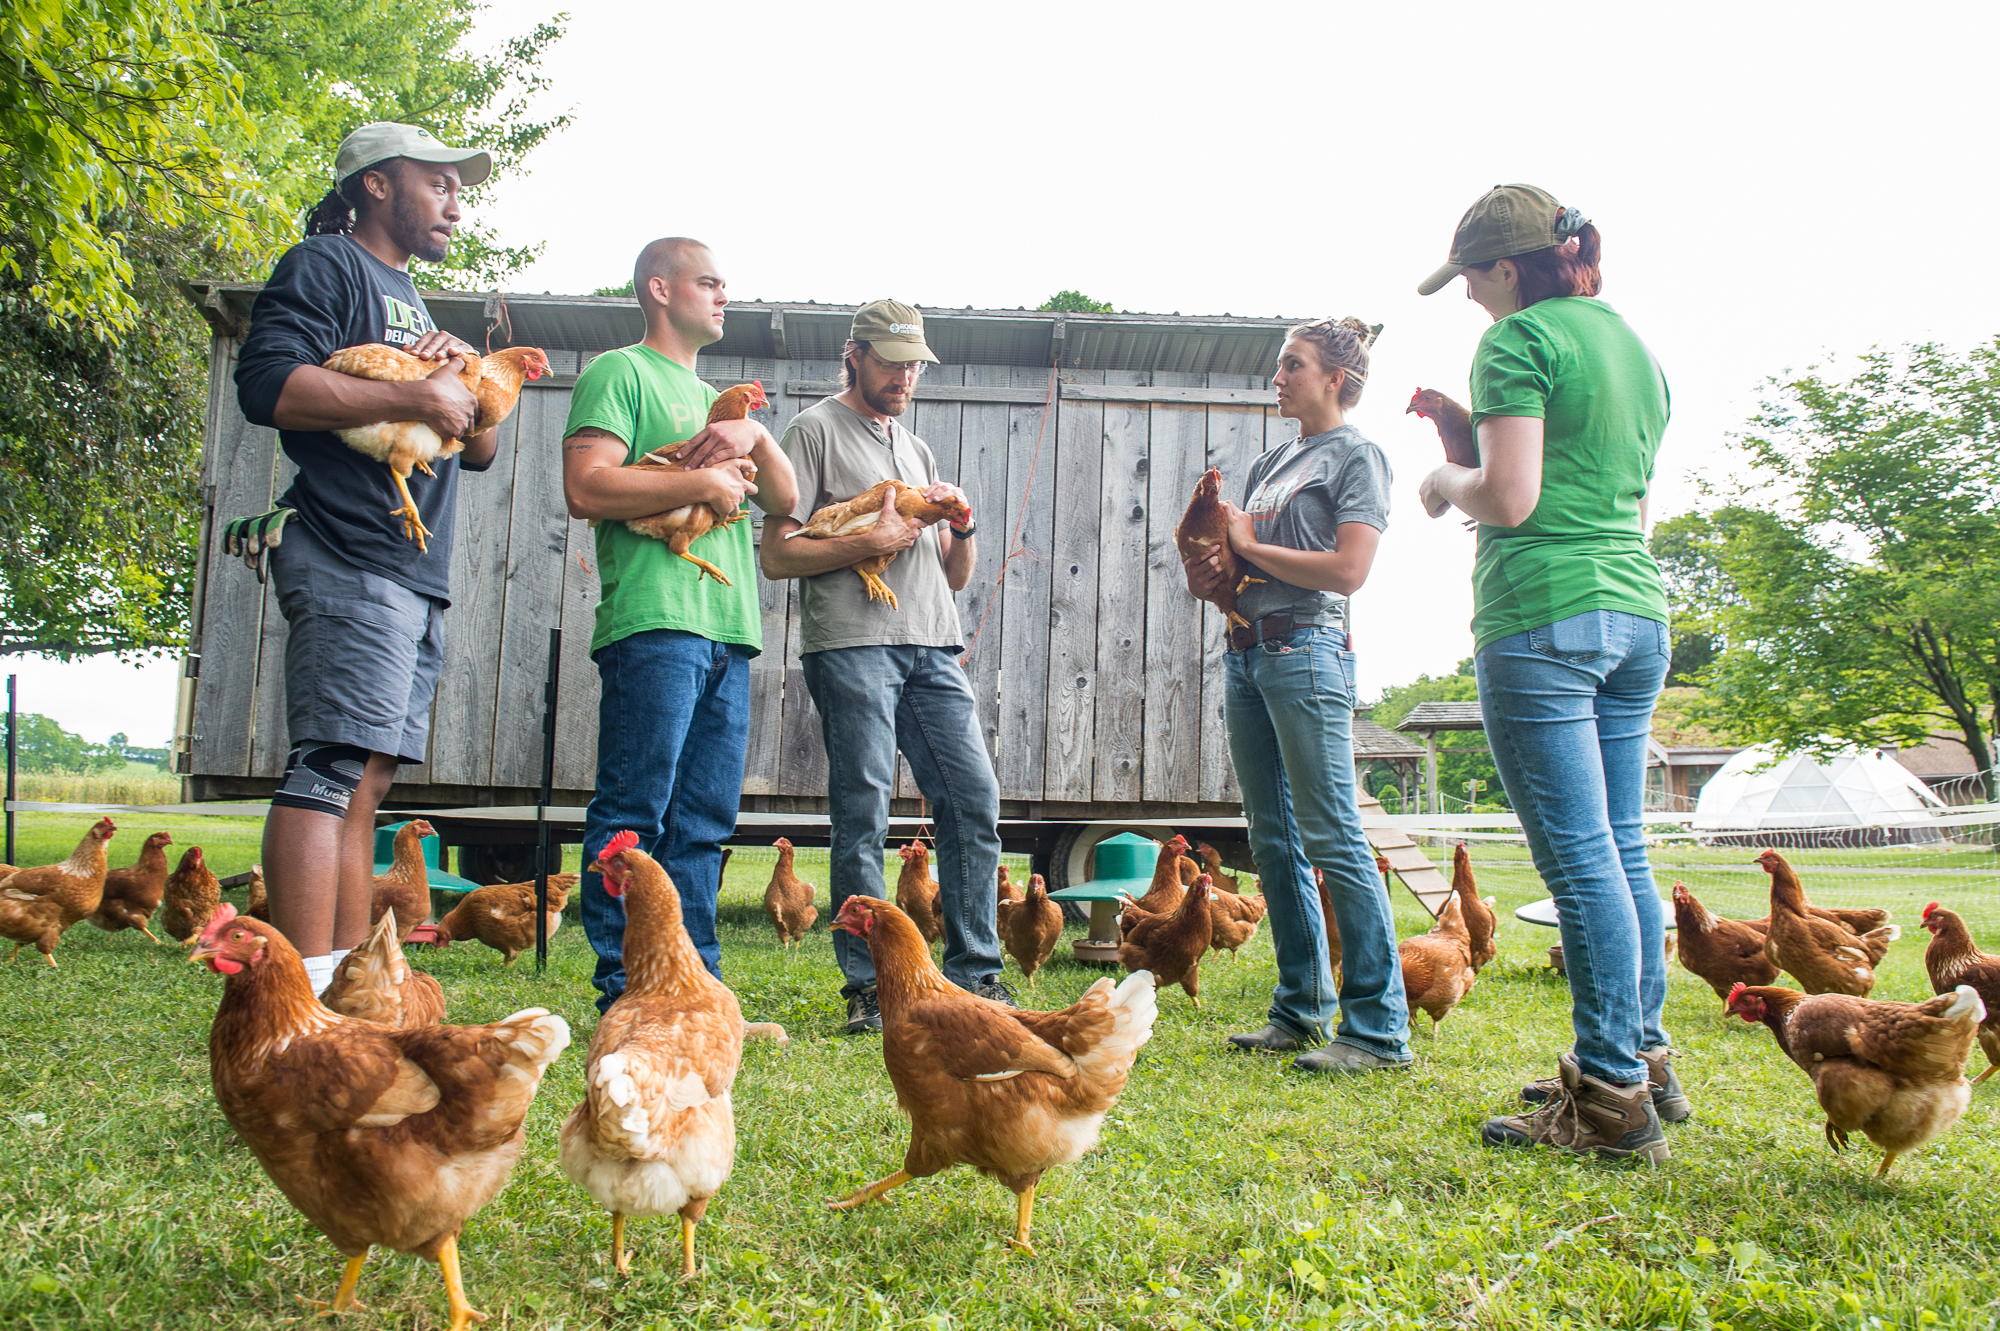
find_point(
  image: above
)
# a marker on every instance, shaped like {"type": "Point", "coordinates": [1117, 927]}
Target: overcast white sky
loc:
{"type": "Point", "coordinates": [1776, 184]}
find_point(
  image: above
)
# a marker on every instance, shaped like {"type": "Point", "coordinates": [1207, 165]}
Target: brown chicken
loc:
{"type": "Point", "coordinates": [406, 887]}
{"type": "Point", "coordinates": [260, 900]}
{"type": "Point", "coordinates": [655, 1132]}
{"type": "Point", "coordinates": [1234, 915]}
{"type": "Point", "coordinates": [1481, 919]}
{"type": "Point", "coordinates": [1454, 425]}
{"type": "Point", "coordinates": [503, 916]}
{"type": "Point", "coordinates": [1333, 952]}
{"type": "Point", "coordinates": [374, 983]}
{"type": "Point", "coordinates": [402, 446]}
{"type": "Point", "coordinates": [1163, 897]}
{"type": "Point", "coordinates": [132, 894]}
{"type": "Point", "coordinates": [377, 1136]}
{"type": "Point", "coordinates": [1004, 887]}
{"type": "Point", "coordinates": [1170, 945]}
{"type": "Point", "coordinates": [1437, 966]}
{"type": "Point", "coordinates": [1823, 955]}
{"type": "Point", "coordinates": [1203, 530]}
{"type": "Point", "coordinates": [1211, 863]}
{"type": "Point", "coordinates": [681, 527]}
{"type": "Point", "coordinates": [1894, 1072]}
{"type": "Point", "coordinates": [789, 899]}
{"type": "Point", "coordinates": [862, 512]}
{"type": "Point", "coordinates": [38, 904]}
{"type": "Point", "coordinates": [1030, 928]}
{"type": "Point", "coordinates": [1011, 1093]}
{"type": "Point", "coordinates": [191, 897]}
{"type": "Point", "coordinates": [1721, 952]}
{"type": "Point", "coordinates": [1954, 959]}
{"type": "Point", "coordinates": [917, 891]}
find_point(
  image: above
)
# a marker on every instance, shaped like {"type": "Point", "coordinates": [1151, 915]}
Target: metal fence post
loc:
{"type": "Point", "coordinates": [13, 752]}
{"type": "Point", "coordinates": [542, 805]}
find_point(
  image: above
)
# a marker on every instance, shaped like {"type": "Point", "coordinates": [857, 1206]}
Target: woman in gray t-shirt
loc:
{"type": "Point", "coordinates": [1313, 511]}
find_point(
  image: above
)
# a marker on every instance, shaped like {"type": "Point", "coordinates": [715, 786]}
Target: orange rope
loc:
{"type": "Point", "coordinates": [1014, 546]}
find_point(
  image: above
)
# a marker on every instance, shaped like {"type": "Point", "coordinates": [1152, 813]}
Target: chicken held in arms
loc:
{"type": "Point", "coordinates": [133, 893]}
{"type": "Point", "coordinates": [788, 900]}
{"type": "Point", "coordinates": [502, 916]}
{"type": "Point", "coordinates": [862, 512]}
{"type": "Point", "coordinates": [1821, 953]}
{"type": "Point", "coordinates": [1014, 1094]}
{"type": "Point", "coordinates": [1954, 959]}
{"type": "Point", "coordinates": [681, 527]}
{"type": "Point", "coordinates": [494, 379]}
{"type": "Point", "coordinates": [1454, 425]}
{"type": "Point", "coordinates": [379, 1137]}
{"type": "Point", "coordinates": [193, 892]}
{"type": "Point", "coordinates": [1894, 1072]}
{"type": "Point", "coordinates": [375, 983]}
{"type": "Point", "coordinates": [656, 1133]}
{"type": "Point", "coordinates": [1030, 928]}
{"type": "Point", "coordinates": [1204, 530]}
{"type": "Point", "coordinates": [37, 905]}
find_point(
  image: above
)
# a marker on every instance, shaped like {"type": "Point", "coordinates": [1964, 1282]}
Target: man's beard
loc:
{"type": "Point", "coordinates": [413, 234]}
{"type": "Point", "coordinates": [883, 403]}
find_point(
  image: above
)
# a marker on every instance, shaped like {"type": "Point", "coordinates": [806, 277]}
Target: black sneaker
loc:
{"type": "Point", "coordinates": [864, 1014]}
{"type": "Point", "coordinates": [992, 988]}
{"type": "Point", "coordinates": [1272, 1039]}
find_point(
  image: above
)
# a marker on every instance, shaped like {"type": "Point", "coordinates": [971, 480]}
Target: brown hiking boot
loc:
{"type": "Point", "coordinates": [1669, 1101]}
{"type": "Point", "coordinates": [1586, 1114]}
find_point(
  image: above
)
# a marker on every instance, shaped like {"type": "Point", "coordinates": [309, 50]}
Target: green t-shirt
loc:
{"type": "Point", "coordinates": [1603, 402]}
{"type": "Point", "coordinates": [650, 402]}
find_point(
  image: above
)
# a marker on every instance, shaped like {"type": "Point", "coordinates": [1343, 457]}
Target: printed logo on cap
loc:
{"type": "Point", "coordinates": [906, 328]}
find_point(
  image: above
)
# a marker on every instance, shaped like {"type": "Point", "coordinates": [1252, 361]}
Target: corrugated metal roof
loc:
{"type": "Point", "coordinates": [1195, 344]}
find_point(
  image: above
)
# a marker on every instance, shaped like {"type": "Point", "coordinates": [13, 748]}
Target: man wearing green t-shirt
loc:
{"type": "Point", "coordinates": [672, 645]}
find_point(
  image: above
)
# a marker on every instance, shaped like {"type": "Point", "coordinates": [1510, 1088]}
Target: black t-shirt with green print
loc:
{"type": "Point", "coordinates": [326, 293]}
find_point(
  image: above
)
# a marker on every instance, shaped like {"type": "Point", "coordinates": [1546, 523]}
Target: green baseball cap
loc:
{"type": "Point", "coordinates": [1506, 221]}
{"type": "Point", "coordinates": [893, 329]}
{"type": "Point", "coordinates": [380, 140]}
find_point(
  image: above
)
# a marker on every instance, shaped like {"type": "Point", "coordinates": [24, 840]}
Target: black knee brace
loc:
{"type": "Point", "coordinates": [321, 777]}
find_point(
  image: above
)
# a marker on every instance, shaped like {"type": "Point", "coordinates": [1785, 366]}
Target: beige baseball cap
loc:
{"type": "Point", "coordinates": [893, 329]}
{"type": "Point", "coordinates": [1507, 220]}
{"type": "Point", "coordinates": [380, 140]}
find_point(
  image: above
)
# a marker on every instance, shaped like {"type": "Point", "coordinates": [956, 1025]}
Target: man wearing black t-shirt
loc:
{"type": "Point", "coordinates": [365, 606]}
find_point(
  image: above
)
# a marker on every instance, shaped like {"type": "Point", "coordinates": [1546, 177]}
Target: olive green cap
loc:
{"type": "Point", "coordinates": [894, 330]}
{"type": "Point", "coordinates": [1506, 221]}
{"type": "Point", "coordinates": [380, 140]}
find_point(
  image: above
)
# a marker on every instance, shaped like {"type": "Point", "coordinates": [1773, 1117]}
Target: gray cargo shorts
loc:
{"type": "Point", "coordinates": [361, 666]}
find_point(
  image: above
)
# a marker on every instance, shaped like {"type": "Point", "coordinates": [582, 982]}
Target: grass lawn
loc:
{"type": "Point", "coordinates": [1225, 1193]}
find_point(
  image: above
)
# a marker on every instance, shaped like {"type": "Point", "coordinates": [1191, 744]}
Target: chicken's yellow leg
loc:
{"type": "Point", "coordinates": [1888, 1158]}
{"type": "Point", "coordinates": [148, 932]}
{"type": "Point", "coordinates": [687, 1248]}
{"type": "Point", "coordinates": [618, 1257]}
{"type": "Point", "coordinates": [705, 567]}
{"type": "Point", "coordinates": [869, 1193]}
{"type": "Point", "coordinates": [463, 1314]}
{"type": "Point", "coordinates": [413, 523]}
{"type": "Point", "coordinates": [50, 957]}
{"type": "Point", "coordinates": [878, 590]}
{"type": "Point", "coordinates": [343, 1298]}
{"type": "Point", "coordinates": [1024, 1213]}
{"type": "Point", "coordinates": [1984, 1075]}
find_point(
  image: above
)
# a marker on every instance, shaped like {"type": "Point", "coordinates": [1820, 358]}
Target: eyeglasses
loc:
{"type": "Point", "coordinates": [908, 369]}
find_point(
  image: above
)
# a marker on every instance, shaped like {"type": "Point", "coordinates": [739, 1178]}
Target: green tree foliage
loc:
{"type": "Point", "coordinates": [44, 746]}
{"type": "Point", "coordinates": [1853, 590]}
{"type": "Point", "coordinates": [100, 416]}
{"type": "Point", "coordinates": [1075, 302]}
{"type": "Point", "coordinates": [1461, 757]}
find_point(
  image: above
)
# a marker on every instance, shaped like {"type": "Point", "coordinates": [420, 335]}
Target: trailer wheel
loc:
{"type": "Point", "coordinates": [1071, 860]}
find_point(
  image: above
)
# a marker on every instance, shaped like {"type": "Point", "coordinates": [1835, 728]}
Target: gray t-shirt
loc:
{"type": "Point", "coordinates": [837, 453]}
{"type": "Point", "coordinates": [1298, 495]}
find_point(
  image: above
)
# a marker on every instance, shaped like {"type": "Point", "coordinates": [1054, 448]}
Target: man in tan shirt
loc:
{"type": "Point", "coordinates": [887, 679]}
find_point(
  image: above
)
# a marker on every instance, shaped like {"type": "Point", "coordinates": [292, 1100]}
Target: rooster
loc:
{"type": "Point", "coordinates": [193, 892]}
{"type": "Point", "coordinates": [789, 899]}
{"type": "Point", "coordinates": [374, 983]}
{"type": "Point", "coordinates": [917, 891]}
{"type": "Point", "coordinates": [377, 1136]}
{"type": "Point", "coordinates": [37, 905]}
{"type": "Point", "coordinates": [1895, 1072]}
{"type": "Point", "coordinates": [1824, 955]}
{"type": "Point", "coordinates": [862, 512]}
{"type": "Point", "coordinates": [1454, 425]}
{"type": "Point", "coordinates": [402, 446]}
{"type": "Point", "coordinates": [1030, 928]}
{"type": "Point", "coordinates": [1953, 959]}
{"type": "Point", "coordinates": [132, 894]}
{"type": "Point", "coordinates": [1203, 530]}
{"type": "Point", "coordinates": [1011, 1093]}
{"type": "Point", "coordinates": [656, 1131]}
{"type": "Point", "coordinates": [681, 527]}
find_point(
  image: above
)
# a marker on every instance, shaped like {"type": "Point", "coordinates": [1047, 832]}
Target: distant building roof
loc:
{"type": "Point", "coordinates": [1443, 716]}
{"type": "Point", "coordinates": [1939, 756]}
{"type": "Point", "coordinates": [1372, 743]}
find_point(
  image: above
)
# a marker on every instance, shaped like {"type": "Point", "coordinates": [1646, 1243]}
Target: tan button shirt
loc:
{"type": "Point", "coordinates": [837, 453]}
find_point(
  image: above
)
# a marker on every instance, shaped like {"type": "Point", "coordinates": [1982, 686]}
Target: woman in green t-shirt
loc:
{"type": "Point", "coordinates": [1570, 640]}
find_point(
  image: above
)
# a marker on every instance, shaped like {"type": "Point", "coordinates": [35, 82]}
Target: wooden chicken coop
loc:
{"type": "Point", "coordinates": [1077, 437]}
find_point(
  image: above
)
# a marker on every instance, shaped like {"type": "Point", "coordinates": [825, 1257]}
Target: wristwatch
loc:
{"type": "Point", "coordinates": [965, 534]}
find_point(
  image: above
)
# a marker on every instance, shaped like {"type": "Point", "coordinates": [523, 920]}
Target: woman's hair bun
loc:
{"type": "Point", "coordinates": [1365, 331]}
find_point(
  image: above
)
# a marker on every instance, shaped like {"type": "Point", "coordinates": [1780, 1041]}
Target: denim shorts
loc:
{"type": "Point", "coordinates": [362, 661]}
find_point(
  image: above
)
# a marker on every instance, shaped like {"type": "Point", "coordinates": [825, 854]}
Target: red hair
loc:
{"type": "Point", "coordinates": [1568, 269]}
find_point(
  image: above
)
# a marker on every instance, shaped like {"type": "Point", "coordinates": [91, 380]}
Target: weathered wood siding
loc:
{"type": "Point", "coordinates": [1097, 675]}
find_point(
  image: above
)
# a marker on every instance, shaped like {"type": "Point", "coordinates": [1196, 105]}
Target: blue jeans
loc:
{"type": "Point", "coordinates": [1290, 706]}
{"type": "Point", "coordinates": [667, 695]}
{"type": "Point", "coordinates": [1568, 708]}
{"type": "Point", "coordinates": [873, 701]}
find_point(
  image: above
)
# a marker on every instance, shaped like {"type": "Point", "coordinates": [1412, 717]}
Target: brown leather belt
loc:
{"type": "Point", "coordinates": [1270, 626]}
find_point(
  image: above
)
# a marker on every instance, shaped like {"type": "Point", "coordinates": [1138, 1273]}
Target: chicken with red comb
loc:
{"type": "Point", "coordinates": [1953, 959]}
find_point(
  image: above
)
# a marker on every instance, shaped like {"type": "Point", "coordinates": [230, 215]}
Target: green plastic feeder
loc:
{"type": "Point", "coordinates": [385, 855]}
{"type": "Point", "coordinates": [1124, 868]}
